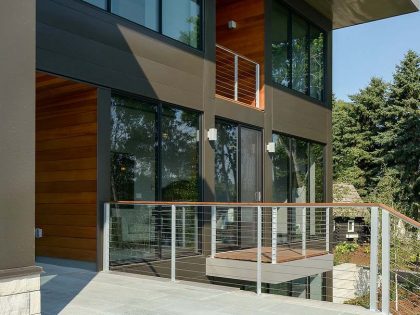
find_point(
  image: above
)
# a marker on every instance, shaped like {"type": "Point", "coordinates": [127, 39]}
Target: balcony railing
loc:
{"type": "Point", "coordinates": [237, 77]}
{"type": "Point", "coordinates": [271, 247]}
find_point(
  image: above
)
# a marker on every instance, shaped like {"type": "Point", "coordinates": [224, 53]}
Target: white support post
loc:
{"type": "Point", "coordinates": [385, 261]}
{"type": "Point", "coordinates": [374, 222]}
{"type": "Point", "coordinates": [196, 229]}
{"type": "Point", "coordinates": [259, 245]}
{"type": "Point", "coordinates": [257, 85]}
{"type": "Point", "coordinates": [183, 227]}
{"type": "Point", "coordinates": [327, 230]}
{"type": "Point", "coordinates": [213, 232]}
{"type": "Point", "coordinates": [173, 242]}
{"type": "Point", "coordinates": [236, 87]}
{"type": "Point", "coordinates": [274, 235]}
{"type": "Point", "coordinates": [304, 232]}
{"type": "Point", "coordinates": [105, 257]}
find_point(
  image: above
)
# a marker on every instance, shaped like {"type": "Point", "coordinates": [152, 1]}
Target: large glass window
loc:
{"type": "Point", "coordinates": [280, 50]}
{"type": "Point", "coordinates": [298, 170]}
{"type": "Point", "coordinates": [298, 53]}
{"type": "Point", "coordinates": [316, 42]}
{"type": "Point", "coordinates": [178, 19]}
{"type": "Point", "coordinates": [181, 20]}
{"type": "Point", "coordinates": [144, 12]}
{"type": "Point", "coordinates": [154, 151]}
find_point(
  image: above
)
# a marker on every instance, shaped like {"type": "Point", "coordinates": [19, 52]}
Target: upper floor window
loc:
{"type": "Point", "coordinates": [298, 53]}
{"type": "Point", "coordinates": [180, 20]}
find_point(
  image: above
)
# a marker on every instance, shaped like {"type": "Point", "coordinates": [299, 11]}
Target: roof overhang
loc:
{"type": "Point", "coordinates": [345, 13]}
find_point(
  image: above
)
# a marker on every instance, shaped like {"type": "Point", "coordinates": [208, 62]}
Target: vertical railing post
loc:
{"type": "Point", "coordinates": [327, 230]}
{"type": "Point", "coordinates": [374, 222]}
{"type": "Point", "coordinates": [173, 242]}
{"type": "Point", "coordinates": [213, 232]}
{"type": "Point", "coordinates": [105, 253]}
{"type": "Point", "coordinates": [259, 245]}
{"type": "Point", "coordinates": [304, 232]}
{"type": "Point", "coordinates": [257, 85]}
{"type": "Point", "coordinates": [274, 235]}
{"type": "Point", "coordinates": [236, 86]}
{"type": "Point", "coordinates": [183, 227]}
{"type": "Point", "coordinates": [196, 229]}
{"type": "Point", "coordinates": [385, 261]}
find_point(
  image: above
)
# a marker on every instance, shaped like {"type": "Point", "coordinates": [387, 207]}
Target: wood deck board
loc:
{"type": "Point", "coordinates": [283, 254]}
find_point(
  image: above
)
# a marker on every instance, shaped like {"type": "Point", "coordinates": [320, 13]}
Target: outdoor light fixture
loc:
{"type": "Point", "coordinates": [271, 147]}
{"type": "Point", "coordinates": [212, 134]}
{"type": "Point", "coordinates": [232, 25]}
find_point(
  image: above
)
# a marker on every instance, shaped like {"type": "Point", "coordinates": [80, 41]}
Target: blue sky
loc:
{"type": "Point", "coordinates": [371, 49]}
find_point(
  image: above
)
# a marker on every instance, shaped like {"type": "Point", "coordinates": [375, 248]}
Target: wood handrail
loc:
{"type": "Point", "coordinates": [274, 204]}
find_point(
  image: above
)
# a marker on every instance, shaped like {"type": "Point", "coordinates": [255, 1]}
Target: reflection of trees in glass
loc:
{"type": "Point", "coordinates": [226, 162]}
{"type": "Point", "coordinates": [297, 49]}
{"type": "Point", "coordinates": [134, 143]}
{"type": "Point", "coordinates": [299, 54]}
{"type": "Point", "coordinates": [180, 154]}
{"type": "Point", "coordinates": [300, 170]}
{"type": "Point", "coordinates": [132, 149]}
{"type": "Point", "coordinates": [316, 63]}
{"type": "Point", "coordinates": [192, 37]}
{"type": "Point", "coordinates": [281, 169]}
{"type": "Point", "coordinates": [280, 45]}
{"type": "Point", "coordinates": [281, 63]}
{"type": "Point", "coordinates": [317, 159]}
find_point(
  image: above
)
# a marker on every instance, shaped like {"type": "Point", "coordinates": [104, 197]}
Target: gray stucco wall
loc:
{"type": "Point", "coordinates": [17, 133]}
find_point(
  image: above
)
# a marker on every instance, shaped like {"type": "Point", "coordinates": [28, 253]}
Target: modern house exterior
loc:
{"type": "Point", "coordinates": [165, 100]}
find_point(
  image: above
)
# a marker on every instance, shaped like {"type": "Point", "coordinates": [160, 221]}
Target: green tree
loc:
{"type": "Point", "coordinates": [399, 138]}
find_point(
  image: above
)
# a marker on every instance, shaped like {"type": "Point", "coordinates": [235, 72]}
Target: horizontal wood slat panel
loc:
{"type": "Point", "coordinates": [66, 168]}
{"type": "Point", "coordinates": [66, 187]}
{"type": "Point", "coordinates": [68, 198]}
{"type": "Point", "coordinates": [66, 253]}
{"type": "Point", "coordinates": [68, 231]}
{"type": "Point", "coordinates": [71, 175]}
{"type": "Point", "coordinates": [68, 242]}
{"type": "Point", "coordinates": [67, 153]}
{"type": "Point", "coordinates": [66, 165]}
{"type": "Point", "coordinates": [67, 220]}
{"type": "Point", "coordinates": [73, 142]}
{"type": "Point", "coordinates": [66, 119]}
{"type": "Point", "coordinates": [66, 209]}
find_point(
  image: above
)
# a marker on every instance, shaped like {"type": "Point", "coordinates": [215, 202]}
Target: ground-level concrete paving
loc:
{"type": "Point", "coordinates": [77, 290]}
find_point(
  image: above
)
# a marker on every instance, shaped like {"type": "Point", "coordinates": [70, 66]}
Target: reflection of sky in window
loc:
{"type": "Point", "coordinates": [176, 17]}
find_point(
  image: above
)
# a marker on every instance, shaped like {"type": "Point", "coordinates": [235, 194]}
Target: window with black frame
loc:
{"type": "Point", "coordinates": [298, 176]}
{"type": "Point", "coordinates": [180, 19]}
{"type": "Point", "coordinates": [298, 53]}
{"type": "Point", "coordinates": [154, 151]}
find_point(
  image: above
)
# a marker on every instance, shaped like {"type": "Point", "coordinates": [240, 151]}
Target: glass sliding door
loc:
{"type": "Point", "coordinates": [298, 176]}
{"type": "Point", "coordinates": [251, 183]}
{"type": "Point", "coordinates": [154, 156]}
{"type": "Point", "coordinates": [238, 177]}
{"type": "Point", "coordinates": [133, 149]}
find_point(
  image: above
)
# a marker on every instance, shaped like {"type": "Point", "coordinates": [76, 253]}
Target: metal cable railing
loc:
{"type": "Point", "coordinates": [237, 77]}
{"type": "Point", "coordinates": [359, 254]}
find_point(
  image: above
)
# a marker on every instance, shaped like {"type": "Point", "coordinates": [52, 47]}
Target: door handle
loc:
{"type": "Point", "coordinates": [258, 196]}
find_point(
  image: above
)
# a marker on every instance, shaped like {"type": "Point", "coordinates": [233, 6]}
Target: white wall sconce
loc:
{"type": "Point", "coordinates": [232, 25]}
{"type": "Point", "coordinates": [271, 147]}
{"type": "Point", "coordinates": [212, 134]}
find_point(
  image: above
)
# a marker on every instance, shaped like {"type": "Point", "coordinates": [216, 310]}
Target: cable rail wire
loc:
{"type": "Point", "coordinates": [237, 77]}
{"type": "Point", "coordinates": [364, 254]}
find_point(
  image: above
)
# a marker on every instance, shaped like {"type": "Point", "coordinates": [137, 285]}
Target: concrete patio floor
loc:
{"type": "Point", "coordinates": [77, 289]}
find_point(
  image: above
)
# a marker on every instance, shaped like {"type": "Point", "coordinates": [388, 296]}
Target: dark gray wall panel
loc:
{"type": "Point", "coordinates": [82, 42]}
{"type": "Point", "coordinates": [17, 133]}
